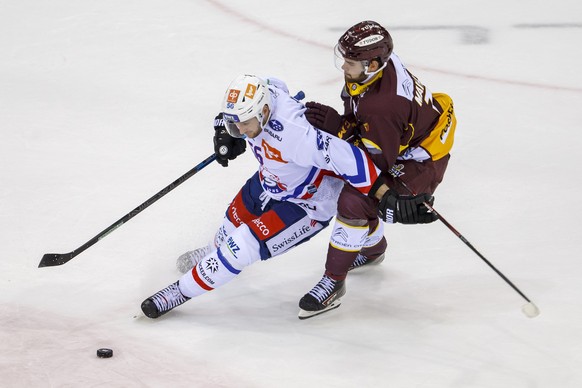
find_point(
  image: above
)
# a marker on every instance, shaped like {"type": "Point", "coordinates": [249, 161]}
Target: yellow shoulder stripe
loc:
{"type": "Point", "coordinates": [370, 144]}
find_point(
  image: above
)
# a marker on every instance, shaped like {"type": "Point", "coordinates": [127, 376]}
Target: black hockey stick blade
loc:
{"type": "Point", "coordinates": [54, 259]}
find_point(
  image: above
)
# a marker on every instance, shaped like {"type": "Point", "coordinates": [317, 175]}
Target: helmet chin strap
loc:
{"type": "Point", "coordinates": [372, 74]}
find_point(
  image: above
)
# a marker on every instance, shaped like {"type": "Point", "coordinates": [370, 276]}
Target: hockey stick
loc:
{"type": "Point", "coordinates": [529, 309]}
{"type": "Point", "coordinates": [54, 259]}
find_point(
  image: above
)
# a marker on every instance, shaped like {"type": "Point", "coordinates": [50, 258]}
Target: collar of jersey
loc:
{"type": "Point", "coordinates": [355, 89]}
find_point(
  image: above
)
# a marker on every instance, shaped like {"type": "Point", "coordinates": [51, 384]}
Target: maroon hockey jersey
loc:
{"type": "Point", "coordinates": [398, 117]}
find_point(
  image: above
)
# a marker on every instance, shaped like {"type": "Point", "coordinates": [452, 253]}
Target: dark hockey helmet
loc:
{"type": "Point", "coordinates": [365, 41]}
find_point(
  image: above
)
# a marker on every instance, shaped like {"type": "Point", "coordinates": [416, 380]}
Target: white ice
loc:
{"type": "Point", "coordinates": [103, 103]}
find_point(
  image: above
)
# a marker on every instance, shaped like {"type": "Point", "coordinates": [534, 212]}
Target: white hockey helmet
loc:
{"type": "Point", "coordinates": [244, 99]}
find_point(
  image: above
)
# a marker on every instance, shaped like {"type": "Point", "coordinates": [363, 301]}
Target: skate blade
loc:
{"type": "Point", "coordinates": [303, 314]}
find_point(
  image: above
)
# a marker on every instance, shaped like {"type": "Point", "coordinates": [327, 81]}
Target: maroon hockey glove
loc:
{"type": "Point", "coordinates": [226, 147]}
{"type": "Point", "coordinates": [323, 117]}
{"type": "Point", "coordinates": [394, 208]}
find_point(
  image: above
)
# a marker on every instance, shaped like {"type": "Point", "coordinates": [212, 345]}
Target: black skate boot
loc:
{"type": "Point", "coordinates": [163, 301]}
{"type": "Point", "coordinates": [362, 260]}
{"type": "Point", "coordinates": [325, 296]}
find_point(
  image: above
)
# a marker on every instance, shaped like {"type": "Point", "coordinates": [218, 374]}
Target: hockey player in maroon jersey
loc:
{"type": "Point", "coordinates": [408, 133]}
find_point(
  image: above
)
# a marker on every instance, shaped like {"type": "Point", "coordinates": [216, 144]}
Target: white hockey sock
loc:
{"type": "Point", "coordinates": [347, 236]}
{"type": "Point", "coordinates": [374, 236]}
{"type": "Point", "coordinates": [223, 232]}
{"type": "Point", "coordinates": [221, 265]}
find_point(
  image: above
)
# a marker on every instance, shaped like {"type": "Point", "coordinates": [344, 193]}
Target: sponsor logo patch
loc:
{"type": "Point", "coordinates": [237, 212]}
{"type": "Point", "coordinates": [276, 125]}
{"type": "Point", "coordinates": [303, 229]}
{"type": "Point", "coordinates": [273, 134]}
{"type": "Point", "coordinates": [233, 95]}
{"type": "Point", "coordinates": [212, 265]}
{"type": "Point", "coordinates": [201, 276]}
{"type": "Point", "coordinates": [267, 225]}
{"type": "Point", "coordinates": [369, 40]}
{"type": "Point", "coordinates": [232, 247]}
{"type": "Point", "coordinates": [251, 90]}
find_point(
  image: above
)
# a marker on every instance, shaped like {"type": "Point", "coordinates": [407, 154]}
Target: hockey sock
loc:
{"type": "Point", "coordinates": [347, 239]}
{"type": "Point", "coordinates": [222, 265]}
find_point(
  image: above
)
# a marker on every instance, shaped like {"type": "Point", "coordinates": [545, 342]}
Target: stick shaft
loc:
{"type": "Point", "coordinates": [53, 259]}
{"type": "Point", "coordinates": [464, 240]}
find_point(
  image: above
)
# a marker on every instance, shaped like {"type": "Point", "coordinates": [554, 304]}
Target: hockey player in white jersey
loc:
{"type": "Point", "coordinates": [291, 197]}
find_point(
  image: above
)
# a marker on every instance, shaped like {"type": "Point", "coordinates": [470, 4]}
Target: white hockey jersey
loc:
{"type": "Point", "coordinates": [298, 163]}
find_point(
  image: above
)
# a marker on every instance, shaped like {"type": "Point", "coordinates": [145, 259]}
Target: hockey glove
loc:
{"type": "Point", "coordinates": [323, 117]}
{"type": "Point", "coordinates": [226, 147]}
{"type": "Point", "coordinates": [394, 208]}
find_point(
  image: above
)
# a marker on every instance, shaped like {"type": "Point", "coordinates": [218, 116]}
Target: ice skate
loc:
{"type": "Point", "coordinates": [362, 261]}
{"type": "Point", "coordinates": [325, 296]}
{"type": "Point", "coordinates": [163, 301]}
{"type": "Point", "coordinates": [188, 260]}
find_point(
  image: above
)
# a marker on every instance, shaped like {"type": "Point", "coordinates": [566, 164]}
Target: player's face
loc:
{"type": "Point", "coordinates": [249, 128]}
{"type": "Point", "coordinates": [353, 70]}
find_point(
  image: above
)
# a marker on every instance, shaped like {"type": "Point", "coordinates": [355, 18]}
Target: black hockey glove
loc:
{"type": "Point", "coordinates": [394, 208]}
{"type": "Point", "coordinates": [226, 147]}
{"type": "Point", "coordinates": [323, 117]}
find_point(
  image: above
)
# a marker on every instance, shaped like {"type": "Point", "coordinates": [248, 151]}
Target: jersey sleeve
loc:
{"type": "Point", "coordinates": [385, 139]}
{"type": "Point", "coordinates": [331, 153]}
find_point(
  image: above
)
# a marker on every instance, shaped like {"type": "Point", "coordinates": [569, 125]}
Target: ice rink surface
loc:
{"type": "Point", "coordinates": [103, 103]}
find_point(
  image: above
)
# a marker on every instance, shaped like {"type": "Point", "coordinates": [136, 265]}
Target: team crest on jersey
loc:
{"type": "Point", "coordinates": [276, 125]}
{"type": "Point", "coordinates": [396, 170]}
{"type": "Point", "coordinates": [271, 182]}
{"type": "Point", "coordinates": [272, 153]}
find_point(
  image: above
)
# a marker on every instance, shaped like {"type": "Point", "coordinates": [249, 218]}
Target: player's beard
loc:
{"type": "Point", "coordinates": [360, 78]}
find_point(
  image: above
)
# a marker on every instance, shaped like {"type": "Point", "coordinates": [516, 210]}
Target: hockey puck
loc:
{"type": "Point", "coordinates": [104, 353]}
